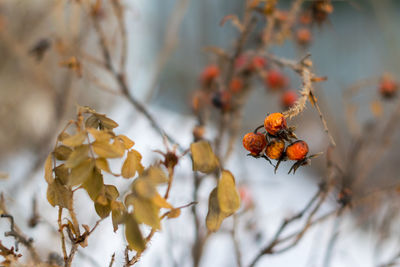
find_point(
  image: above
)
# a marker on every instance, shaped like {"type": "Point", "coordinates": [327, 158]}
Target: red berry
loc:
{"type": "Point", "coordinates": [305, 18]}
{"type": "Point", "coordinates": [275, 80]}
{"type": "Point", "coordinates": [258, 63]}
{"type": "Point", "coordinates": [289, 98]}
{"type": "Point", "coordinates": [274, 123]}
{"type": "Point", "coordinates": [297, 150]}
{"type": "Point", "coordinates": [388, 87]}
{"type": "Point", "coordinates": [209, 74]}
{"type": "Point", "coordinates": [241, 62]}
{"type": "Point", "coordinates": [236, 85]}
{"type": "Point", "coordinates": [254, 143]}
{"type": "Point", "coordinates": [303, 36]}
{"type": "Point", "coordinates": [275, 149]}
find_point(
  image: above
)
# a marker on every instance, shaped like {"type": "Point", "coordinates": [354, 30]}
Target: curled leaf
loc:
{"type": "Point", "coordinates": [132, 164]}
{"type": "Point", "coordinates": [228, 196]}
{"type": "Point", "coordinates": [204, 159]}
{"type": "Point", "coordinates": [133, 235]}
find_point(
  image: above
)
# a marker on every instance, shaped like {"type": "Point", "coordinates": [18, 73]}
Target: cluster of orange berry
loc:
{"type": "Point", "coordinates": [271, 145]}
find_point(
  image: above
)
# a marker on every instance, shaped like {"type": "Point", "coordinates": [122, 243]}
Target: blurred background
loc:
{"type": "Point", "coordinates": [361, 40]}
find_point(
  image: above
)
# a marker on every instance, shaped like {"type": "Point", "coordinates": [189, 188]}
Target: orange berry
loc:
{"type": "Point", "coordinates": [275, 149]}
{"type": "Point", "coordinates": [275, 80]}
{"type": "Point", "coordinates": [254, 143]}
{"type": "Point", "coordinates": [222, 100]}
{"type": "Point", "coordinates": [388, 87]}
{"type": "Point", "coordinates": [289, 98]}
{"type": "Point", "coordinates": [274, 123]}
{"type": "Point", "coordinates": [209, 74]}
{"type": "Point", "coordinates": [297, 150]}
{"type": "Point", "coordinates": [236, 85]}
{"type": "Point", "coordinates": [258, 63]}
{"type": "Point", "coordinates": [303, 36]}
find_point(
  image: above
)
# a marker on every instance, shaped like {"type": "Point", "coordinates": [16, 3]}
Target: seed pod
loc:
{"type": "Point", "coordinates": [274, 123]}
{"type": "Point", "coordinates": [275, 149]}
{"type": "Point", "coordinates": [297, 150]}
{"type": "Point", "coordinates": [254, 143]}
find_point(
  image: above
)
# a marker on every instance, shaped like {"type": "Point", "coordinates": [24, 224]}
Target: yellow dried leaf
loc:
{"type": "Point", "coordinates": [102, 136]}
{"type": "Point", "coordinates": [102, 164]}
{"type": "Point", "coordinates": [111, 192]}
{"type": "Point", "coordinates": [80, 173]}
{"type": "Point", "coordinates": [161, 202]}
{"type": "Point", "coordinates": [94, 184]}
{"type": "Point", "coordinates": [92, 122]}
{"type": "Point", "coordinates": [204, 159]}
{"type": "Point", "coordinates": [132, 164]}
{"type": "Point", "coordinates": [144, 187]}
{"type": "Point", "coordinates": [155, 174]}
{"type": "Point", "coordinates": [79, 154]}
{"type": "Point", "coordinates": [106, 150]}
{"type": "Point", "coordinates": [59, 195]}
{"type": "Point", "coordinates": [62, 152]}
{"type": "Point", "coordinates": [228, 196]}
{"type": "Point", "coordinates": [128, 143]}
{"type": "Point", "coordinates": [145, 211]}
{"type": "Point", "coordinates": [133, 235]}
{"type": "Point", "coordinates": [75, 140]}
{"type": "Point", "coordinates": [48, 169]}
{"type": "Point", "coordinates": [214, 216]}
{"type": "Point", "coordinates": [174, 213]}
{"type": "Point", "coordinates": [117, 214]}
{"type": "Point", "coordinates": [106, 122]}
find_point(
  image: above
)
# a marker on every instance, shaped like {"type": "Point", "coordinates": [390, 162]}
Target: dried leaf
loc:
{"type": "Point", "coordinates": [214, 216]}
{"type": "Point", "coordinates": [228, 196]}
{"type": "Point", "coordinates": [48, 169]}
{"type": "Point", "coordinates": [204, 160]}
{"type": "Point", "coordinates": [77, 156]}
{"type": "Point", "coordinates": [132, 164]}
{"type": "Point", "coordinates": [62, 173]}
{"type": "Point", "coordinates": [106, 122]}
{"type": "Point", "coordinates": [106, 150]}
{"type": "Point", "coordinates": [117, 214]}
{"type": "Point", "coordinates": [80, 173]}
{"type": "Point", "coordinates": [144, 187]}
{"type": "Point", "coordinates": [161, 202]}
{"type": "Point", "coordinates": [156, 175]}
{"type": "Point", "coordinates": [174, 213]}
{"type": "Point", "coordinates": [102, 210]}
{"type": "Point", "coordinates": [102, 164]}
{"type": "Point", "coordinates": [128, 143]}
{"type": "Point", "coordinates": [92, 122]}
{"type": "Point", "coordinates": [145, 211]}
{"type": "Point", "coordinates": [94, 184]}
{"type": "Point", "coordinates": [133, 235]}
{"type": "Point", "coordinates": [111, 192]}
{"type": "Point", "coordinates": [102, 136]}
{"type": "Point", "coordinates": [75, 140]}
{"type": "Point", "coordinates": [62, 152]}
{"type": "Point", "coordinates": [59, 195]}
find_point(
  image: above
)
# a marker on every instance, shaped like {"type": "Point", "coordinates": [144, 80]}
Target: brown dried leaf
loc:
{"type": "Point", "coordinates": [228, 196]}
{"type": "Point", "coordinates": [102, 210]}
{"type": "Point", "coordinates": [204, 159]}
{"type": "Point", "coordinates": [161, 202]}
{"type": "Point", "coordinates": [144, 187]}
{"type": "Point", "coordinates": [59, 195]}
{"type": "Point", "coordinates": [117, 214]}
{"type": "Point", "coordinates": [106, 122]}
{"type": "Point", "coordinates": [174, 213]}
{"type": "Point", "coordinates": [62, 173]}
{"type": "Point", "coordinates": [145, 211]}
{"type": "Point", "coordinates": [102, 136]}
{"type": "Point", "coordinates": [111, 192]}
